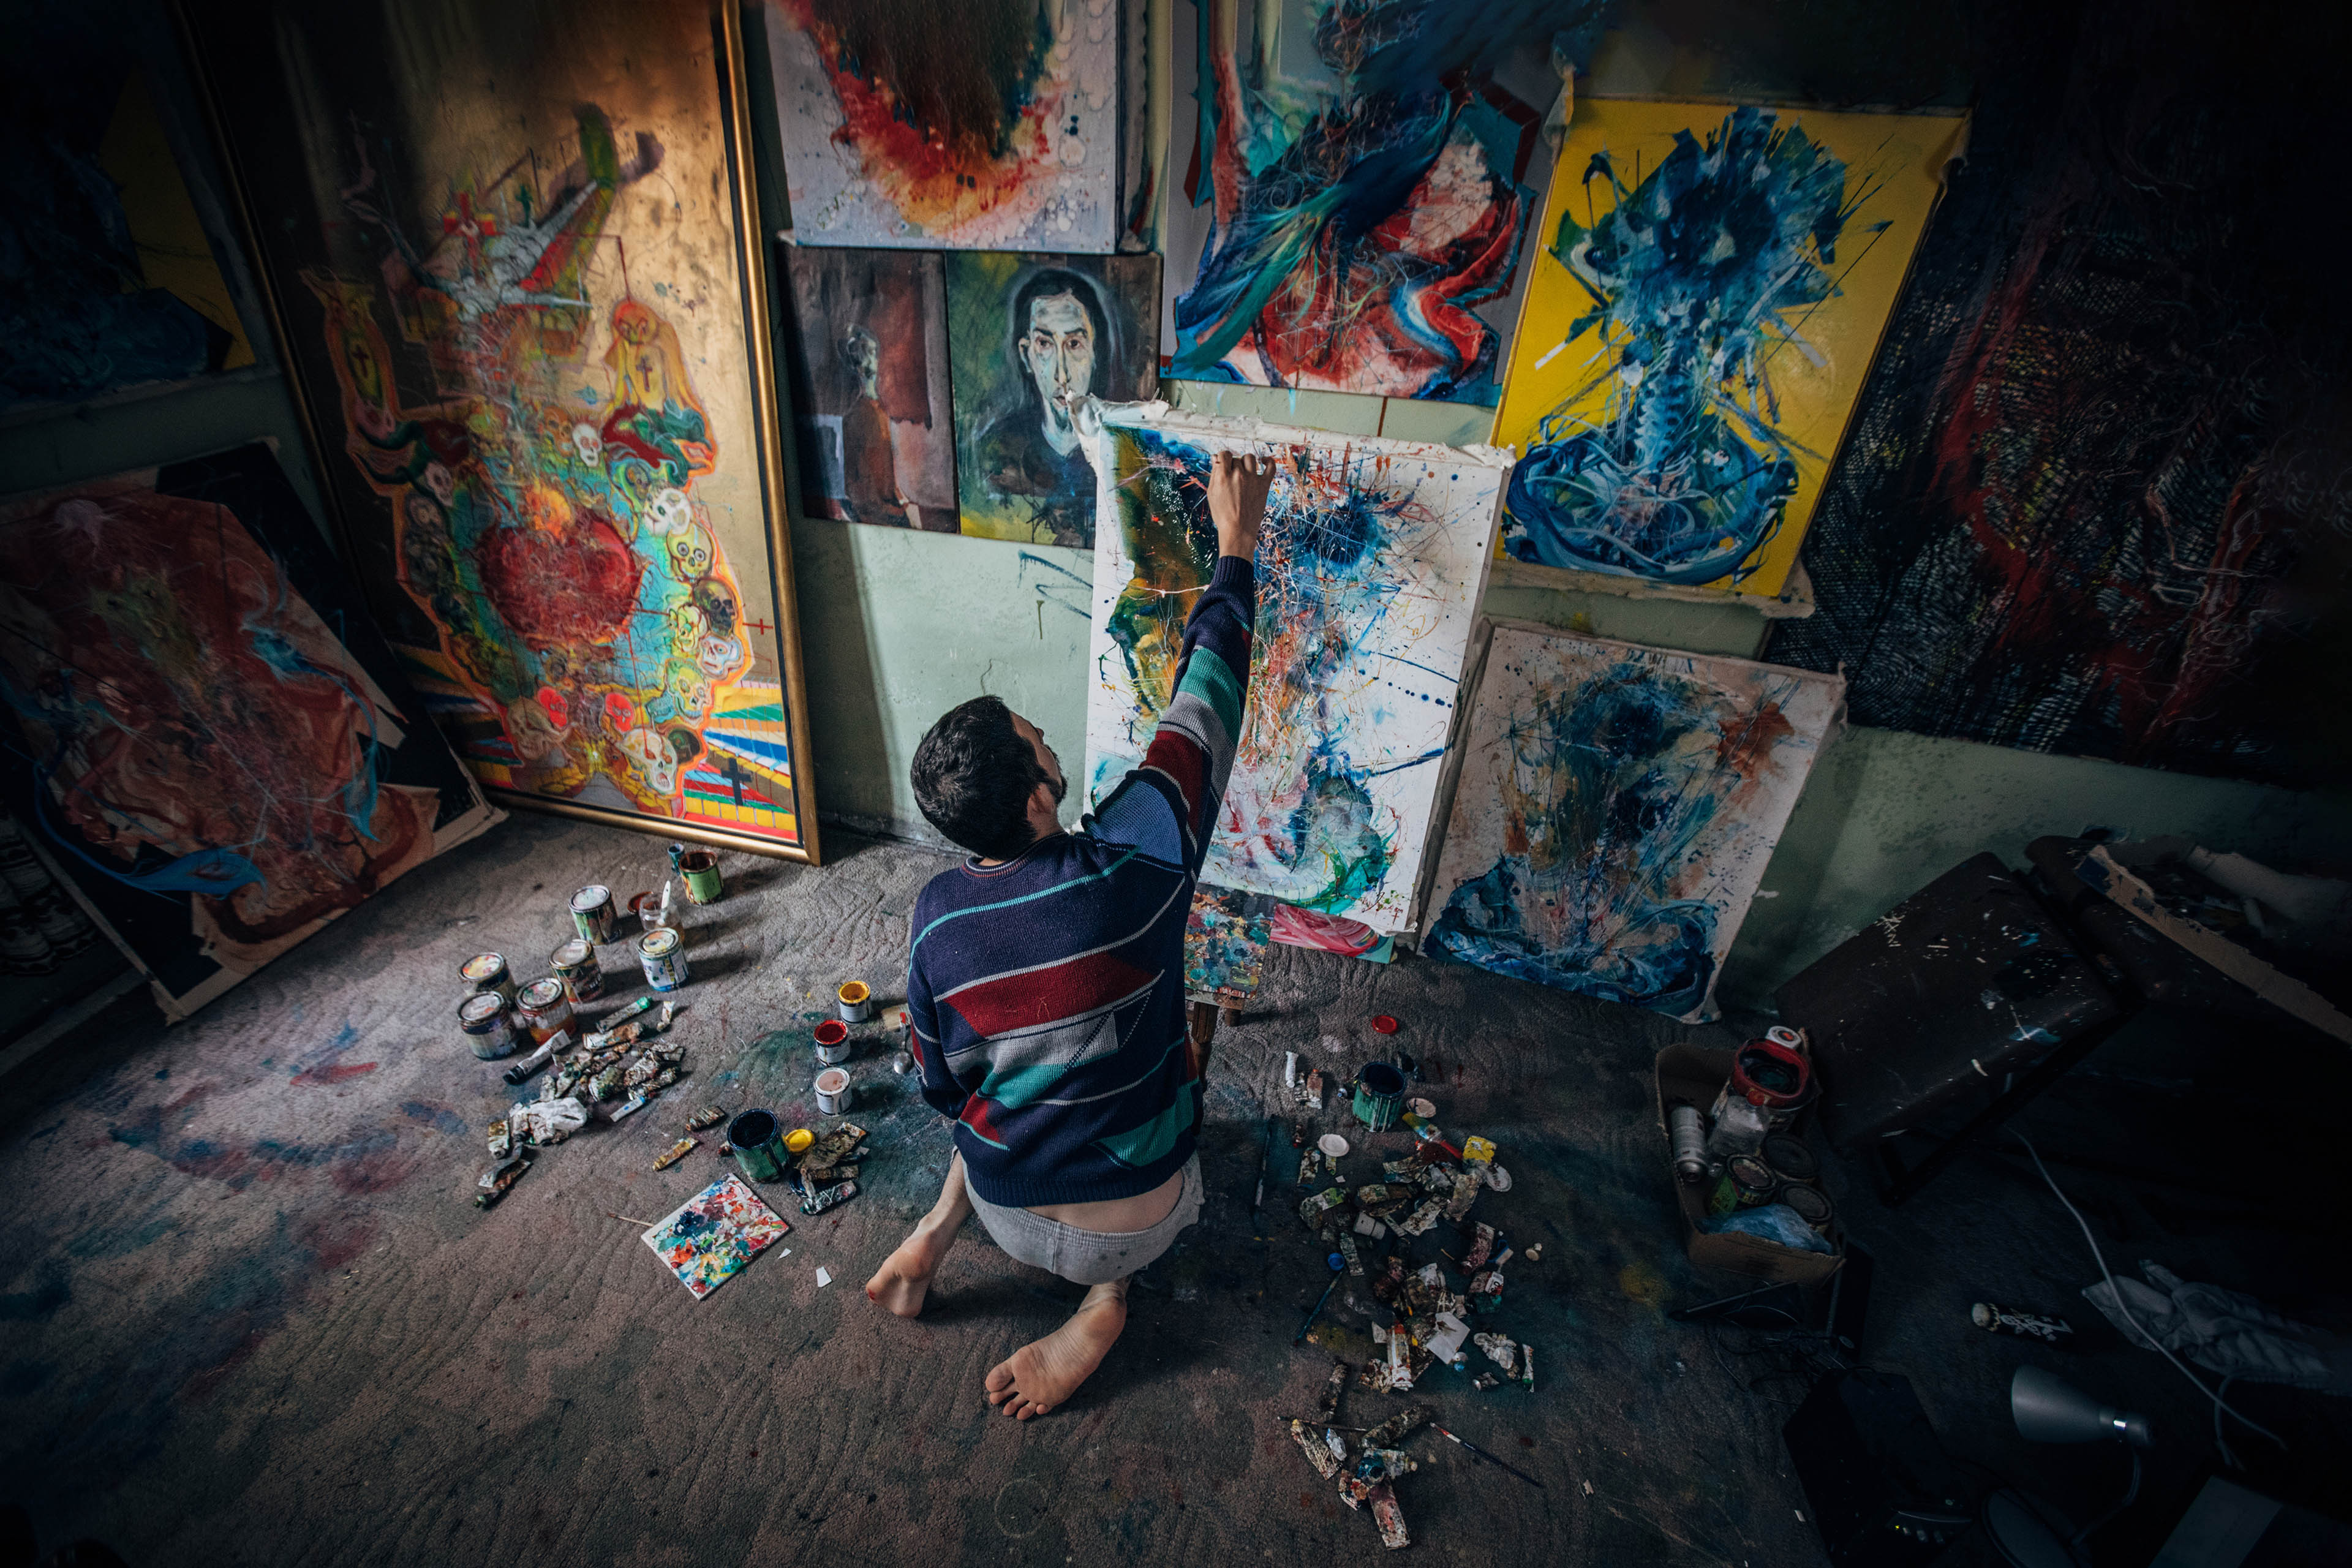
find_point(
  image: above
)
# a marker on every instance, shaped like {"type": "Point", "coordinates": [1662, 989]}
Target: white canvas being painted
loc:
{"type": "Point", "coordinates": [988, 126]}
{"type": "Point", "coordinates": [1370, 569]}
{"type": "Point", "coordinates": [1614, 809]}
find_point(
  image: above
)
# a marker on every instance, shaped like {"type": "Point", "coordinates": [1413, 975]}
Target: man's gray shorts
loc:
{"type": "Point", "coordinates": [1088, 1257]}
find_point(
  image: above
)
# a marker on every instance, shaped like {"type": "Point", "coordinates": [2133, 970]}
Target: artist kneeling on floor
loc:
{"type": "Point", "coordinates": [1046, 979]}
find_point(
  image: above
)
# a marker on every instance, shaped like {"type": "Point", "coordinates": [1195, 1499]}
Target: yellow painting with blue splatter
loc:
{"type": "Point", "coordinates": [1711, 290]}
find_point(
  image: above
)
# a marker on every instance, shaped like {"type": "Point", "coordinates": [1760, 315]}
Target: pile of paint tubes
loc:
{"type": "Point", "coordinates": [1744, 1146]}
{"type": "Point", "coordinates": [608, 1073]}
{"type": "Point", "coordinates": [1422, 1309]}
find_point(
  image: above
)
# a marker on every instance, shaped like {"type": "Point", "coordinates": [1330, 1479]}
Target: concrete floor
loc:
{"type": "Point", "coordinates": [251, 1316]}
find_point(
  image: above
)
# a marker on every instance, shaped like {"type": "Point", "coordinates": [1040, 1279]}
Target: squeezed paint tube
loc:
{"type": "Point", "coordinates": [828, 1198]}
{"type": "Point", "coordinates": [677, 1151]}
{"type": "Point", "coordinates": [559, 1041]}
{"type": "Point", "coordinates": [1316, 1454]}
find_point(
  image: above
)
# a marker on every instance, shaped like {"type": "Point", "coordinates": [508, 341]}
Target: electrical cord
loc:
{"type": "Point", "coordinates": [2220, 1405]}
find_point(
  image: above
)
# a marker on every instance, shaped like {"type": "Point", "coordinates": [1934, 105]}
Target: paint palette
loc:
{"type": "Point", "coordinates": [714, 1234]}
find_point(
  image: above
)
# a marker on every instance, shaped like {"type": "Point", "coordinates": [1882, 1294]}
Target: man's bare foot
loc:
{"type": "Point", "coordinates": [904, 1276]}
{"type": "Point", "coordinates": [1035, 1378]}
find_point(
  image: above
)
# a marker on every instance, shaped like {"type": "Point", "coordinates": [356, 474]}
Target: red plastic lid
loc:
{"type": "Point", "coordinates": [1384, 1024]}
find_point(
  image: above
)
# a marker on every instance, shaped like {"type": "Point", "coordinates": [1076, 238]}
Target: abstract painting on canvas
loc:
{"type": "Point", "coordinates": [983, 125]}
{"type": "Point", "coordinates": [1370, 569]}
{"type": "Point", "coordinates": [869, 378]}
{"type": "Point", "coordinates": [1613, 811]}
{"type": "Point", "coordinates": [1353, 187]}
{"type": "Point", "coordinates": [1701, 315]}
{"type": "Point", "coordinates": [1036, 342]}
{"type": "Point", "coordinates": [217, 750]}
{"type": "Point", "coordinates": [524, 307]}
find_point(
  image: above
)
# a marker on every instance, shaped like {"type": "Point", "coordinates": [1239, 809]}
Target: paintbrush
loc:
{"type": "Point", "coordinates": [1478, 1452]}
{"type": "Point", "coordinates": [1338, 1265]}
{"type": "Point", "coordinates": [1263, 1154]}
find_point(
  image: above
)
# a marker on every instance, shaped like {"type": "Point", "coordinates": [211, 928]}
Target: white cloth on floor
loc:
{"type": "Point", "coordinates": [2224, 1330]}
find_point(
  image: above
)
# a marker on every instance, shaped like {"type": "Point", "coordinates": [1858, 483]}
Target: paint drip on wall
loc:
{"type": "Point", "coordinates": [984, 125]}
{"type": "Point", "coordinates": [1614, 811]}
{"type": "Point", "coordinates": [1369, 566]}
{"type": "Point", "coordinates": [1359, 179]}
{"type": "Point", "coordinates": [1711, 290]}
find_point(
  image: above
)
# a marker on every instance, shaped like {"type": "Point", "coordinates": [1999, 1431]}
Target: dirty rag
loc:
{"type": "Point", "coordinates": [2224, 1330]}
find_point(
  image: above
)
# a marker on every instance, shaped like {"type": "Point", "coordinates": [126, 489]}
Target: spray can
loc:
{"type": "Point", "coordinates": [1687, 1133]}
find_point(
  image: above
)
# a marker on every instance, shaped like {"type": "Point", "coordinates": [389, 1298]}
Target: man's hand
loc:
{"type": "Point", "coordinates": [1237, 487]}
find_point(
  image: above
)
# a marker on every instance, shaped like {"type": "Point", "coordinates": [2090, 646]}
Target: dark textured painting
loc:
{"type": "Point", "coordinates": [870, 369]}
{"type": "Point", "coordinates": [2098, 499]}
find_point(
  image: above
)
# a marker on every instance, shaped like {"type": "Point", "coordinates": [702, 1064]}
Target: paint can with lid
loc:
{"type": "Point", "coordinates": [699, 870]}
{"type": "Point", "coordinates": [593, 916]}
{"type": "Point", "coordinates": [663, 953]}
{"type": "Point", "coordinates": [545, 1010]}
{"type": "Point", "coordinates": [488, 971]}
{"type": "Point", "coordinates": [575, 967]}
{"type": "Point", "coordinates": [834, 1093]}
{"type": "Point", "coordinates": [483, 1017]}
{"type": "Point", "coordinates": [759, 1145]}
{"type": "Point", "coordinates": [1789, 1157]}
{"type": "Point", "coordinates": [1746, 1183]}
{"type": "Point", "coordinates": [854, 1002]}
{"type": "Point", "coordinates": [1812, 1205]}
{"type": "Point", "coordinates": [832, 1038]}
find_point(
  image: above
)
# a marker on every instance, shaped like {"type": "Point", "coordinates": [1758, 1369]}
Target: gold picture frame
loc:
{"type": "Point", "coordinates": [514, 260]}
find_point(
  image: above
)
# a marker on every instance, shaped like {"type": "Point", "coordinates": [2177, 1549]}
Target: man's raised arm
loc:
{"type": "Point", "coordinates": [1191, 753]}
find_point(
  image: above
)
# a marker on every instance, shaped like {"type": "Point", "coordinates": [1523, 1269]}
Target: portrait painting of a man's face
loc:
{"type": "Point", "coordinates": [1034, 341]}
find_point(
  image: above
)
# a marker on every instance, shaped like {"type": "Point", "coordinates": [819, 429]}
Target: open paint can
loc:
{"type": "Point", "coordinates": [759, 1145]}
{"type": "Point", "coordinates": [832, 1041]}
{"type": "Point", "coordinates": [575, 965]}
{"type": "Point", "coordinates": [700, 867]}
{"type": "Point", "coordinates": [487, 972]}
{"type": "Point", "coordinates": [854, 1001]}
{"type": "Point", "coordinates": [833, 1091]}
{"type": "Point", "coordinates": [1380, 1092]}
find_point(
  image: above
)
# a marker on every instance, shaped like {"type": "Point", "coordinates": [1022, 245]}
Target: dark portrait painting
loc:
{"type": "Point", "coordinates": [1036, 342]}
{"type": "Point", "coordinates": [869, 368]}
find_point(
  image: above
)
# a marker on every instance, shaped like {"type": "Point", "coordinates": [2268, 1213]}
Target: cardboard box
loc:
{"type": "Point", "coordinates": [1692, 1074]}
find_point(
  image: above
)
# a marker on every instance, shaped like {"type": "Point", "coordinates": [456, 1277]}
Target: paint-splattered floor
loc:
{"type": "Point", "coordinates": [251, 1316]}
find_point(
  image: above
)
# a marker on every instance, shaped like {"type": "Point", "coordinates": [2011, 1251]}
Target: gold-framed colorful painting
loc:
{"type": "Point", "coordinates": [1713, 283]}
{"type": "Point", "coordinates": [516, 257]}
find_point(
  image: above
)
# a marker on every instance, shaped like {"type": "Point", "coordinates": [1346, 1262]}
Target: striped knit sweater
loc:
{"type": "Point", "coordinates": [1048, 992]}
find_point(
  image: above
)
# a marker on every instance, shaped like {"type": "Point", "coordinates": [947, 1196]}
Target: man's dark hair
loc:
{"type": "Point", "coordinates": [973, 776]}
{"type": "Point", "coordinates": [1044, 285]}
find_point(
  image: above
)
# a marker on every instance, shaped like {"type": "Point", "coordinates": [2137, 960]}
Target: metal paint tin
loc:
{"type": "Point", "coordinates": [854, 1002]}
{"type": "Point", "coordinates": [483, 1017]}
{"type": "Point", "coordinates": [1812, 1204]}
{"type": "Point", "coordinates": [593, 916]}
{"type": "Point", "coordinates": [700, 867]}
{"type": "Point", "coordinates": [1789, 1159]}
{"type": "Point", "coordinates": [575, 966]}
{"type": "Point", "coordinates": [488, 971]}
{"type": "Point", "coordinates": [759, 1145]}
{"type": "Point", "coordinates": [663, 953]}
{"type": "Point", "coordinates": [832, 1038]}
{"type": "Point", "coordinates": [546, 1010]}
{"type": "Point", "coordinates": [834, 1093]}
{"type": "Point", "coordinates": [1751, 1179]}
{"type": "Point", "coordinates": [1379, 1091]}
